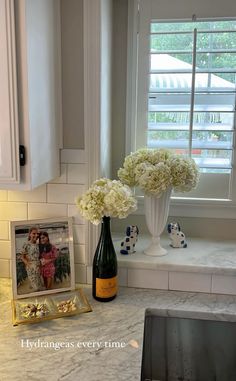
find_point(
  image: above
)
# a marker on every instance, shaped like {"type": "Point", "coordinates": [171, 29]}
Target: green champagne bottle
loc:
{"type": "Point", "coordinates": [105, 282]}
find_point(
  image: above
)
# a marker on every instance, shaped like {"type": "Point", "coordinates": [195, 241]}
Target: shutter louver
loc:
{"type": "Point", "coordinates": [195, 118]}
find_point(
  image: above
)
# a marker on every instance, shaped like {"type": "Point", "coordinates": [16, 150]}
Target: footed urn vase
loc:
{"type": "Point", "coordinates": [156, 213]}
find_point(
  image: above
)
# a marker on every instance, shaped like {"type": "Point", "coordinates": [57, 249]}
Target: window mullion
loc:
{"type": "Point", "coordinates": [232, 186]}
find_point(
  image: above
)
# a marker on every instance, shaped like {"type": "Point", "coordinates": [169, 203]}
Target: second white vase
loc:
{"type": "Point", "coordinates": [156, 213]}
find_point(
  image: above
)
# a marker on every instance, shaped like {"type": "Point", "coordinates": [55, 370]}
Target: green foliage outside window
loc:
{"type": "Point", "coordinates": [205, 41]}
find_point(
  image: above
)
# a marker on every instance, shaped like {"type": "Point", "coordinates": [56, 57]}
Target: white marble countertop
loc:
{"type": "Point", "coordinates": [201, 255]}
{"type": "Point", "coordinates": [120, 321]}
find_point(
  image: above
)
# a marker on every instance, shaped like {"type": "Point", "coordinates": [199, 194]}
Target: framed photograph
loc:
{"type": "Point", "coordinates": [42, 257]}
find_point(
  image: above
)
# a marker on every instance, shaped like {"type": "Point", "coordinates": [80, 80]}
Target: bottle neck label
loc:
{"type": "Point", "coordinates": [106, 288]}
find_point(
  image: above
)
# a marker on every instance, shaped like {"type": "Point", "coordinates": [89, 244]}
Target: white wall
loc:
{"type": "Point", "coordinates": [72, 73]}
{"type": "Point", "coordinates": [106, 82]}
{"type": "Point", "coordinates": [119, 63]}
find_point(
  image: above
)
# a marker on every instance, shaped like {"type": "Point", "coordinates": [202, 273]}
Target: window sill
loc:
{"type": "Point", "coordinates": [204, 266]}
{"type": "Point", "coordinates": [201, 255]}
{"type": "Point", "coordinates": [206, 208]}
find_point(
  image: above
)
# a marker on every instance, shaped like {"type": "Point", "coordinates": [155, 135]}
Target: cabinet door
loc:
{"type": "Point", "coordinates": [9, 141]}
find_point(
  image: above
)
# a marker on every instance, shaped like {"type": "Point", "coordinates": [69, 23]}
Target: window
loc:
{"type": "Point", "coordinates": [192, 91]}
{"type": "Point", "coordinates": [185, 90]}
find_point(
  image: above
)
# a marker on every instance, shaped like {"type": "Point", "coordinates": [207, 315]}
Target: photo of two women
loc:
{"type": "Point", "coordinates": [42, 258]}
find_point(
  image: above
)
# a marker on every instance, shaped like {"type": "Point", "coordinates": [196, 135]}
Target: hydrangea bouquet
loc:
{"type": "Point", "coordinates": [156, 170]}
{"type": "Point", "coordinates": [105, 197]}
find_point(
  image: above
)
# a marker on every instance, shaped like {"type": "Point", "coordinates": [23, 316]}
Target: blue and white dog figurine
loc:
{"type": "Point", "coordinates": [176, 236]}
{"type": "Point", "coordinates": [128, 245]}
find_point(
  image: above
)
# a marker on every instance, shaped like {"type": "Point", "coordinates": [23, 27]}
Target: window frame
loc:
{"type": "Point", "coordinates": [184, 206]}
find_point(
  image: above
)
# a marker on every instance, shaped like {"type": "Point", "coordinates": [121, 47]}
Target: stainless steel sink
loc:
{"type": "Point", "coordinates": [184, 349]}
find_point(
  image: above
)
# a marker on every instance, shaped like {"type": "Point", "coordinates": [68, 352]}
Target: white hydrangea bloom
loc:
{"type": "Point", "coordinates": [106, 198]}
{"type": "Point", "coordinates": [155, 170]}
{"type": "Point", "coordinates": [156, 180]}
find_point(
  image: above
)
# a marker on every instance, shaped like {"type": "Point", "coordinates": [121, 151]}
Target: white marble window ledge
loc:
{"type": "Point", "coordinates": [204, 266]}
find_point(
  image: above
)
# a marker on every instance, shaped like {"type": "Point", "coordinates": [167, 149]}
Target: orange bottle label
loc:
{"type": "Point", "coordinates": [106, 288]}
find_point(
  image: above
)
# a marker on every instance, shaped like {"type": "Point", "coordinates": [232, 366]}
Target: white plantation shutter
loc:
{"type": "Point", "coordinates": [199, 124]}
{"type": "Point", "coordinates": [186, 88]}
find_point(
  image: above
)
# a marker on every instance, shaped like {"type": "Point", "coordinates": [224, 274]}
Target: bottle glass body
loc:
{"type": "Point", "coordinates": [105, 266]}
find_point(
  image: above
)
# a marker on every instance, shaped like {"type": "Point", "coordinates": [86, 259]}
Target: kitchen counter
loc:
{"type": "Point", "coordinates": [105, 344]}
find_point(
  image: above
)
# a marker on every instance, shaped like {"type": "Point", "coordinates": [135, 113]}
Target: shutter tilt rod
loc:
{"type": "Point", "coordinates": [192, 91]}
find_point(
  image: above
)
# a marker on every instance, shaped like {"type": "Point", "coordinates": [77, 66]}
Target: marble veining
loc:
{"type": "Point", "coordinates": [201, 255]}
{"type": "Point", "coordinates": [120, 321]}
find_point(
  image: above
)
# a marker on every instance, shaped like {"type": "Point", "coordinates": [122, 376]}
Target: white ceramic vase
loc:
{"type": "Point", "coordinates": [156, 212]}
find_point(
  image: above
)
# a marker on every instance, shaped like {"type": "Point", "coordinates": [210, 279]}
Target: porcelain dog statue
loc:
{"type": "Point", "coordinates": [128, 245]}
{"type": "Point", "coordinates": [176, 236]}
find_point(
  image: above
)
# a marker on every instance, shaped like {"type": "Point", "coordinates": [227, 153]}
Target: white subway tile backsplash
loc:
{"type": "Point", "coordinates": [77, 218]}
{"type": "Point", "coordinates": [79, 253]}
{"type": "Point", "coordinates": [5, 249]}
{"type": "Point", "coordinates": [73, 156]}
{"type": "Point", "coordinates": [222, 284]}
{"type": "Point", "coordinates": [3, 195]}
{"type": "Point", "coordinates": [77, 173]}
{"type": "Point", "coordinates": [122, 276]}
{"type": "Point", "coordinates": [184, 281]}
{"type": "Point", "coordinates": [64, 193]}
{"type": "Point", "coordinates": [43, 210]}
{"type": "Point", "coordinates": [11, 270]}
{"type": "Point", "coordinates": [79, 234]}
{"type": "Point", "coordinates": [62, 179]}
{"type": "Point", "coordinates": [4, 268]}
{"type": "Point", "coordinates": [4, 230]}
{"type": "Point", "coordinates": [13, 211]}
{"type": "Point", "coordinates": [89, 274]}
{"type": "Point", "coordinates": [148, 279]}
{"type": "Point", "coordinates": [35, 195]}
{"type": "Point", "coordinates": [80, 273]}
